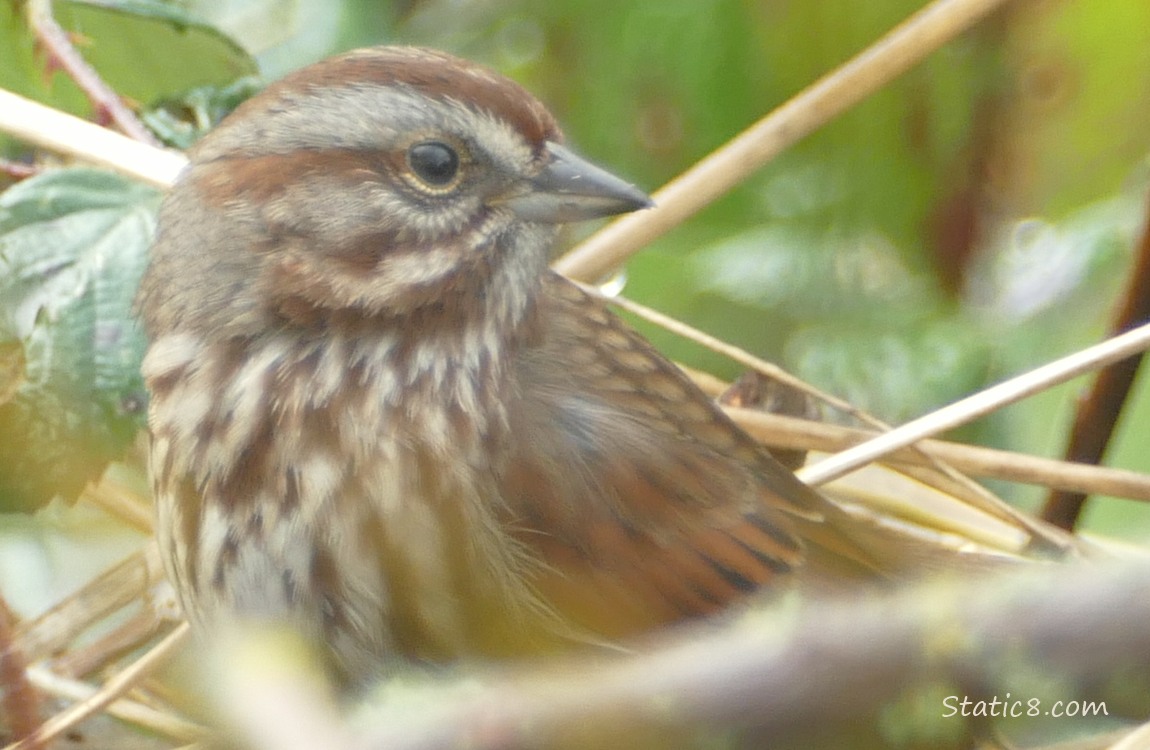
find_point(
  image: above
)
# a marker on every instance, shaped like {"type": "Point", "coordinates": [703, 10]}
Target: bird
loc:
{"type": "Point", "coordinates": [377, 417]}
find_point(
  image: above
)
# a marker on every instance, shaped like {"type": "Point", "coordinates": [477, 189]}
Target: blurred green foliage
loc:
{"type": "Point", "coordinates": [972, 219]}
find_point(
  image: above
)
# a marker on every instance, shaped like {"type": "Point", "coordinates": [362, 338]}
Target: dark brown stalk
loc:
{"type": "Point", "coordinates": [1100, 407]}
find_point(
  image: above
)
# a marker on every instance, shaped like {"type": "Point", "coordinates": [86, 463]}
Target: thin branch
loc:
{"type": "Point", "coordinates": [107, 694]}
{"type": "Point", "coordinates": [788, 432]}
{"type": "Point", "coordinates": [889, 57]}
{"type": "Point", "coordinates": [63, 54]}
{"type": "Point", "coordinates": [1052, 627]}
{"type": "Point", "coordinates": [124, 709]}
{"type": "Point", "coordinates": [59, 131]}
{"type": "Point", "coordinates": [19, 701]}
{"type": "Point", "coordinates": [733, 353]}
{"type": "Point", "coordinates": [980, 404]}
{"type": "Point", "coordinates": [124, 583]}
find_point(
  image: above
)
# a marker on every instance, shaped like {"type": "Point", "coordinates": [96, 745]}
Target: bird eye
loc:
{"type": "Point", "coordinates": [434, 162]}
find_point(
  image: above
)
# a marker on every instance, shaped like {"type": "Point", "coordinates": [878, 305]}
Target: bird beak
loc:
{"type": "Point", "coordinates": [573, 189]}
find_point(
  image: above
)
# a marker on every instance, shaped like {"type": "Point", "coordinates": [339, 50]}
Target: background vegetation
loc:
{"type": "Point", "coordinates": [974, 218]}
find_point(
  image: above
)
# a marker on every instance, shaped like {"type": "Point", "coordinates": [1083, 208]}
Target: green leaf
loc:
{"type": "Point", "coordinates": [182, 121]}
{"type": "Point", "coordinates": [146, 51]}
{"type": "Point", "coordinates": [143, 49]}
{"type": "Point", "coordinates": [73, 244]}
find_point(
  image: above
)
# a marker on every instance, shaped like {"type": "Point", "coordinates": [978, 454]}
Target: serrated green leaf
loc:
{"type": "Point", "coordinates": [144, 50]}
{"type": "Point", "coordinates": [73, 244]}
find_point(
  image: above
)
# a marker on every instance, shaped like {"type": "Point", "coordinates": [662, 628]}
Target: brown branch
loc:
{"type": "Point", "coordinates": [16, 170]}
{"type": "Point", "coordinates": [122, 682]}
{"type": "Point", "coordinates": [63, 54]}
{"type": "Point", "coordinates": [19, 701]}
{"type": "Point", "coordinates": [54, 130]}
{"type": "Point", "coordinates": [1099, 408]}
{"type": "Point", "coordinates": [784, 673]}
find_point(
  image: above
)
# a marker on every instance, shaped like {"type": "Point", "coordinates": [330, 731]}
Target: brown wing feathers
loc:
{"type": "Point", "coordinates": [671, 513]}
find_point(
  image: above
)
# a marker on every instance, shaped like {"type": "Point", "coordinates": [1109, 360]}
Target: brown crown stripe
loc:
{"type": "Point", "coordinates": [429, 72]}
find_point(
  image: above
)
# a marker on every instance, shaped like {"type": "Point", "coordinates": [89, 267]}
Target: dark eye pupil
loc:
{"type": "Point", "coordinates": [436, 163]}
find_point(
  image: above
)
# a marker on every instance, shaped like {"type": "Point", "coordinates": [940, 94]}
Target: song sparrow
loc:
{"type": "Point", "coordinates": [377, 416]}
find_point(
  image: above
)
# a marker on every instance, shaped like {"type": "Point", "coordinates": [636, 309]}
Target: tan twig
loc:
{"type": "Point", "coordinates": [119, 586]}
{"type": "Point", "coordinates": [107, 694]}
{"type": "Point", "coordinates": [733, 353]}
{"type": "Point", "coordinates": [125, 637]}
{"type": "Point", "coordinates": [118, 500]}
{"type": "Point", "coordinates": [789, 432]}
{"type": "Point", "coordinates": [125, 709]}
{"type": "Point", "coordinates": [898, 51]}
{"type": "Point", "coordinates": [980, 404]}
{"type": "Point", "coordinates": [59, 131]}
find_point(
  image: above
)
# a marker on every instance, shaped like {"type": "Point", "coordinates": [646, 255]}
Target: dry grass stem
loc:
{"type": "Point", "coordinates": [130, 635]}
{"type": "Point", "coordinates": [870, 70]}
{"type": "Point", "coordinates": [733, 353]}
{"type": "Point", "coordinates": [162, 722]}
{"type": "Point", "coordinates": [789, 432]}
{"type": "Point", "coordinates": [120, 502]}
{"type": "Point", "coordinates": [116, 686]}
{"type": "Point", "coordinates": [61, 132]}
{"type": "Point", "coordinates": [125, 583]}
{"type": "Point", "coordinates": [980, 404]}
